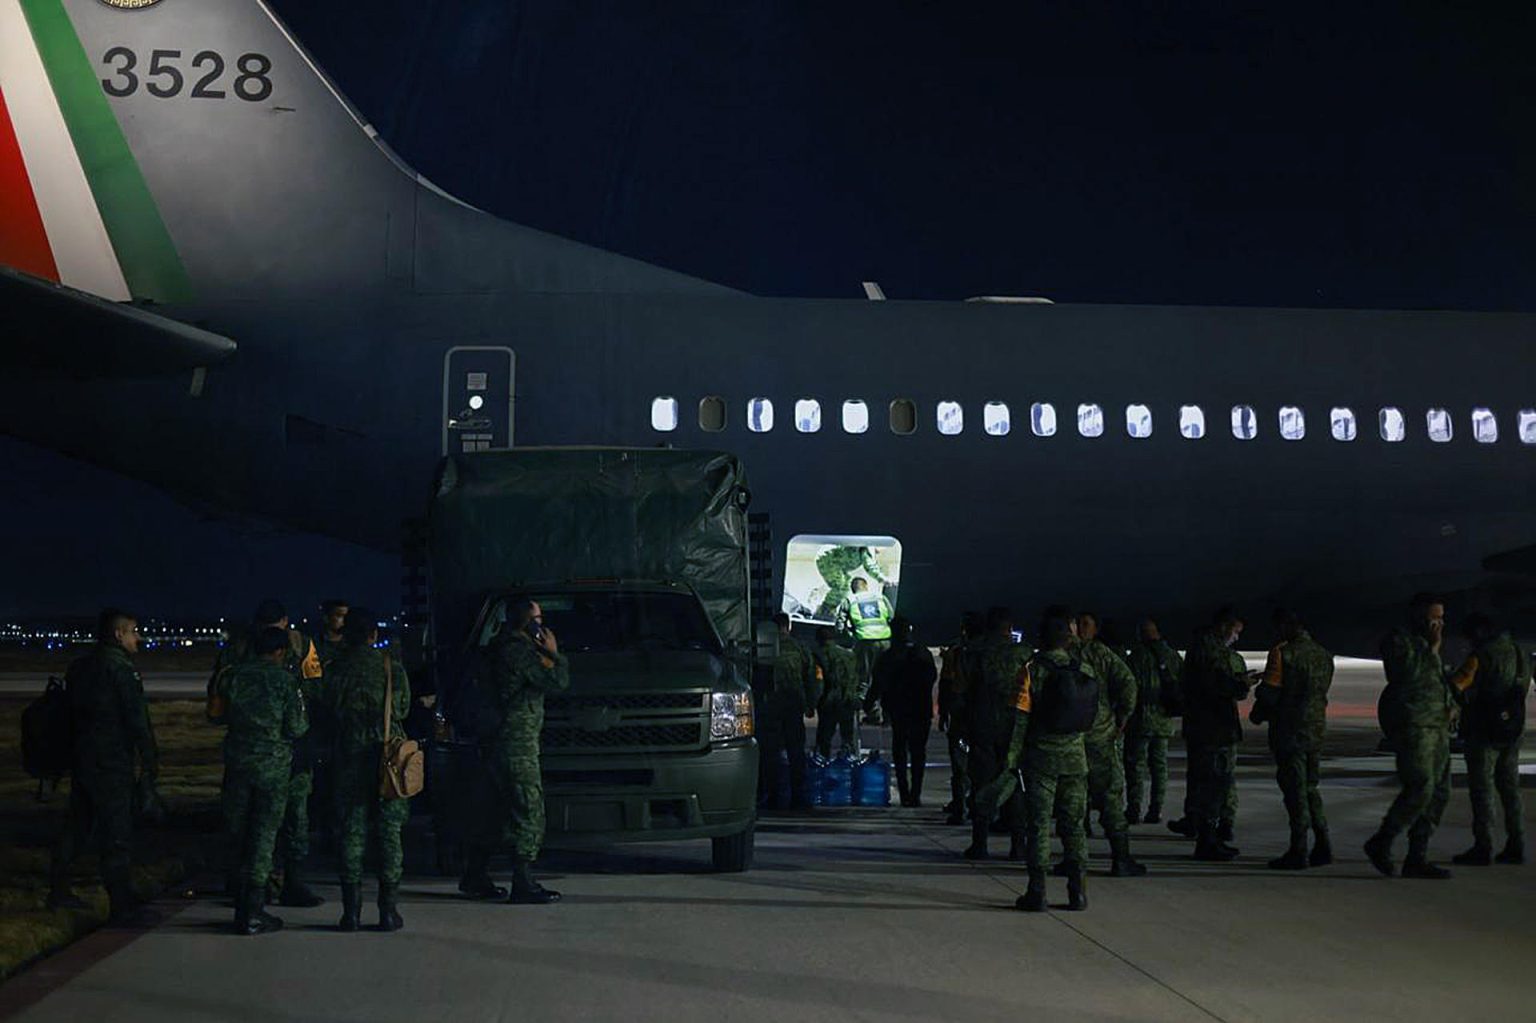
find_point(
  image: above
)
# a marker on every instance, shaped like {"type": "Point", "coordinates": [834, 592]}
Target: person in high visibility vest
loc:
{"type": "Point", "coordinates": [866, 616]}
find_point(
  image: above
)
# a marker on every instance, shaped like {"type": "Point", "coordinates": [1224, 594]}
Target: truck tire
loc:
{"type": "Point", "coordinates": [733, 853]}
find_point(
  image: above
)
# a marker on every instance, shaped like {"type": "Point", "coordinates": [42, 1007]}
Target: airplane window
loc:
{"type": "Point", "coordinates": [663, 414]}
{"type": "Point", "coordinates": [1191, 421]}
{"type": "Point", "coordinates": [712, 414]}
{"type": "Point", "coordinates": [994, 419]}
{"type": "Point", "coordinates": [1527, 428]}
{"type": "Point", "coordinates": [1393, 426]}
{"type": "Point", "coordinates": [759, 415]}
{"type": "Point", "coordinates": [1042, 419]}
{"type": "Point", "coordinates": [855, 416]}
{"type": "Point", "coordinates": [1438, 420]}
{"type": "Point", "coordinates": [951, 418]}
{"type": "Point", "coordinates": [808, 415]}
{"type": "Point", "coordinates": [903, 416]}
{"type": "Point", "coordinates": [1293, 423]}
{"type": "Point", "coordinates": [1138, 421]}
{"type": "Point", "coordinates": [1090, 420]}
{"type": "Point", "coordinates": [1485, 427]}
{"type": "Point", "coordinates": [1342, 422]}
{"type": "Point", "coordinates": [1245, 425]}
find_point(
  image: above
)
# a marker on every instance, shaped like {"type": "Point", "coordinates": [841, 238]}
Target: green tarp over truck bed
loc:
{"type": "Point", "coordinates": [539, 515]}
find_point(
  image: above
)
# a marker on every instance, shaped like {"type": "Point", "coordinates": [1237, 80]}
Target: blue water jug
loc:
{"type": "Point", "coordinates": [838, 782]}
{"type": "Point", "coordinates": [872, 780]}
{"type": "Point", "coordinates": [816, 778]}
{"type": "Point", "coordinates": [783, 793]}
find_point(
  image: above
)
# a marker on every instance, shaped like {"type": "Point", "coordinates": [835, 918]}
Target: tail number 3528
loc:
{"type": "Point", "coordinates": [163, 77]}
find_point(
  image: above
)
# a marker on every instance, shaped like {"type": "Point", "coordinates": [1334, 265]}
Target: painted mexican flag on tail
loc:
{"type": "Point", "coordinates": [74, 206]}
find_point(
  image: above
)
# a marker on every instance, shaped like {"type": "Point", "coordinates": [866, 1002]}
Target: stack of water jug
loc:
{"type": "Point", "coordinates": [845, 781]}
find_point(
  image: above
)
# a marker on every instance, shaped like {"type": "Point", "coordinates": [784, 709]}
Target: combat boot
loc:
{"type": "Point", "coordinates": [1480, 855]}
{"type": "Point", "coordinates": [1077, 890]}
{"type": "Point", "coordinates": [295, 892]}
{"type": "Point", "coordinates": [1017, 847]}
{"type": "Point", "coordinates": [1033, 899]}
{"type": "Point", "coordinates": [1322, 851]}
{"type": "Point", "coordinates": [1122, 863]}
{"type": "Point", "coordinates": [1416, 863]}
{"type": "Point", "coordinates": [977, 850]}
{"type": "Point", "coordinates": [1294, 858]}
{"type": "Point", "coordinates": [389, 910]}
{"type": "Point", "coordinates": [1209, 849]}
{"type": "Point", "coordinates": [1513, 852]}
{"type": "Point", "coordinates": [1378, 849]}
{"type": "Point", "coordinates": [955, 816]}
{"type": "Point", "coordinates": [1154, 815]}
{"type": "Point", "coordinates": [526, 891]}
{"type": "Point", "coordinates": [1225, 833]}
{"type": "Point", "coordinates": [250, 918]}
{"type": "Point", "coordinates": [1132, 814]}
{"type": "Point", "coordinates": [351, 907]}
{"type": "Point", "coordinates": [1183, 826]}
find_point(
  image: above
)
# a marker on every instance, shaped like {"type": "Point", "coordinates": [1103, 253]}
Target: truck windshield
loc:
{"type": "Point", "coordinates": [605, 622]}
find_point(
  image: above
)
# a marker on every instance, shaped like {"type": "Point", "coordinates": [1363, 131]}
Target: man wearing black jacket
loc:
{"type": "Point", "coordinates": [903, 684]}
{"type": "Point", "coordinates": [1215, 679]}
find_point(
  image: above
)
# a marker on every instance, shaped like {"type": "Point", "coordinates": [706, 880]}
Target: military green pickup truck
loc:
{"type": "Point", "coordinates": [638, 559]}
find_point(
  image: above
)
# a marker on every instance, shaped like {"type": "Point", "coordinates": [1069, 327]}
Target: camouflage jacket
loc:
{"type": "Point", "coordinates": [354, 694]}
{"type": "Point", "coordinates": [793, 687]}
{"type": "Point", "coordinates": [1032, 747]}
{"type": "Point", "coordinates": [109, 715]}
{"type": "Point", "coordinates": [962, 666]}
{"type": "Point", "coordinates": [992, 708]}
{"type": "Point", "coordinates": [1215, 679]}
{"type": "Point", "coordinates": [1117, 694]}
{"type": "Point", "coordinates": [1417, 694]}
{"type": "Point", "coordinates": [1303, 672]}
{"type": "Point", "coordinates": [840, 671]}
{"type": "Point", "coordinates": [1487, 676]}
{"type": "Point", "coordinates": [519, 676]}
{"type": "Point", "coordinates": [265, 713]}
{"type": "Point", "coordinates": [303, 663]}
{"type": "Point", "coordinates": [1152, 664]}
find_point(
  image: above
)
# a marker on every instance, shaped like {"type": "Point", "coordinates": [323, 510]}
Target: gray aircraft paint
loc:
{"type": "Point", "coordinates": [345, 279]}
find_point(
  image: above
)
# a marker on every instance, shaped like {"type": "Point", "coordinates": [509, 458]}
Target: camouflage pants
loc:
{"type": "Point", "coordinates": [1106, 784]}
{"type": "Point", "coordinates": [253, 812]}
{"type": "Point", "coordinates": [1146, 761]}
{"type": "Point", "coordinates": [836, 717]}
{"type": "Point", "coordinates": [101, 813]}
{"type": "Point", "coordinates": [511, 803]}
{"type": "Point", "coordinates": [293, 836]}
{"type": "Point", "coordinates": [1064, 797]}
{"type": "Point", "coordinates": [362, 814]}
{"type": "Point", "coordinates": [996, 788]}
{"type": "Point", "coordinates": [1424, 772]}
{"type": "Point", "coordinates": [959, 765]}
{"type": "Point", "coordinates": [783, 731]}
{"type": "Point", "coordinates": [1211, 798]}
{"type": "Point", "coordinates": [1490, 770]}
{"type": "Point", "coordinates": [1296, 770]}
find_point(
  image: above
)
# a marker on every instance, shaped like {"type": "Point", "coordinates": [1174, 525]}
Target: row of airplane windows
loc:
{"type": "Point", "coordinates": [996, 421]}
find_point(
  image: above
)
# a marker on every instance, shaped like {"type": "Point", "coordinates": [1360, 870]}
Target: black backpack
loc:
{"type": "Point", "coordinates": [1069, 700]}
{"type": "Point", "coordinates": [1502, 715]}
{"type": "Point", "coordinates": [1171, 693]}
{"type": "Point", "coordinates": [47, 733]}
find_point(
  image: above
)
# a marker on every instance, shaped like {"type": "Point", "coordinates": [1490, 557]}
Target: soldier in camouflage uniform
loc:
{"type": "Point", "coordinates": [265, 714]}
{"type": "Point", "coordinates": [1106, 759]}
{"type": "Point", "coordinates": [961, 666]}
{"type": "Point", "coordinates": [355, 693]}
{"type": "Point", "coordinates": [840, 692]}
{"type": "Point", "coordinates": [1215, 679]}
{"type": "Point", "coordinates": [1156, 664]}
{"type": "Point", "coordinates": [111, 729]}
{"type": "Point", "coordinates": [329, 639]}
{"type": "Point", "coordinates": [1493, 679]}
{"type": "Point", "coordinates": [837, 567]}
{"type": "Point", "coordinates": [1415, 711]}
{"type": "Point", "coordinates": [1055, 771]}
{"type": "Point", "coordinates": [790, 697]}
{"type": "Point", "coordinates": [1297, 677]}
{"type": "Point", "coordinates": [991, 727]}
{"type": "Point", "coordinates": [525, 665]}
{"type": "Point", "coordinates": [303, 665]}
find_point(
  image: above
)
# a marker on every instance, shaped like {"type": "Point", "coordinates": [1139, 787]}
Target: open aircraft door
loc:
{"type": "Point", "coordinates": [478, 397]}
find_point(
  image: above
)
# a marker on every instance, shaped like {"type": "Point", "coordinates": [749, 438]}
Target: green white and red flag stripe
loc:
{"type": "Point", "coordinates": [74, 205]}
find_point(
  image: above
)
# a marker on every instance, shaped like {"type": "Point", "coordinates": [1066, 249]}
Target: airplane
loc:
{"type": "Point", "coordinates": [219, 279]}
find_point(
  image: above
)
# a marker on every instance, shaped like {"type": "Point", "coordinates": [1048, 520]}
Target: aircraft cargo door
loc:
{"type": "Point", "coordinates": [477, 398]}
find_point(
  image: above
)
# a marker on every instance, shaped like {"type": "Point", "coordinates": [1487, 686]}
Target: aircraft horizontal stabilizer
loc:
{"type": "Point", "coordinates": [55, 330]}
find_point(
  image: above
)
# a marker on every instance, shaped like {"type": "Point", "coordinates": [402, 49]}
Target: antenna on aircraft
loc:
{"type": "Point", "coordinates": [873, 291]}
{"type": "Point", "coordinates": [1012, 299]}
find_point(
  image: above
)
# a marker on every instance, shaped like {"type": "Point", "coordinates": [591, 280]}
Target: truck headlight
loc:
{"type": "Point", "coordinates": [730, 716]}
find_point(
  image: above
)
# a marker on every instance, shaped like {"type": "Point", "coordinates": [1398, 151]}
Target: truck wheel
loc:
{"type": "Point", "coordinates": [733, 853]}
{"type": "Point", "coordinates": [450, 858]}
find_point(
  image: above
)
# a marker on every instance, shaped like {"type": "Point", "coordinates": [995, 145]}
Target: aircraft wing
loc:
{"type": "Point", "coordinates": [55, 330]}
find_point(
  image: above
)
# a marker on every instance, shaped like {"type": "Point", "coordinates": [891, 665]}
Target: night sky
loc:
{"type": "Point", "coordinates": [1374, 154]}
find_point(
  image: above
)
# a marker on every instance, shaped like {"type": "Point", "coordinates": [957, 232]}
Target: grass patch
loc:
{"type": "Point", "coordinates": [191, 769]}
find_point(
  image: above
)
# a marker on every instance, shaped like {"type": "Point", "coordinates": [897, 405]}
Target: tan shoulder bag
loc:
{"type": "Point", "coordinates": [402, 765]}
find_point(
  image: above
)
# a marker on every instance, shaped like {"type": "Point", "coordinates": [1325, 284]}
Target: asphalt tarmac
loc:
{"type": "Point", "coordinates": [873, 915]}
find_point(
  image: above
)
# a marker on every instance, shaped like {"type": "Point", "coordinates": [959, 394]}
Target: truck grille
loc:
{"type": "Point", "coordinates": [626, 722]}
